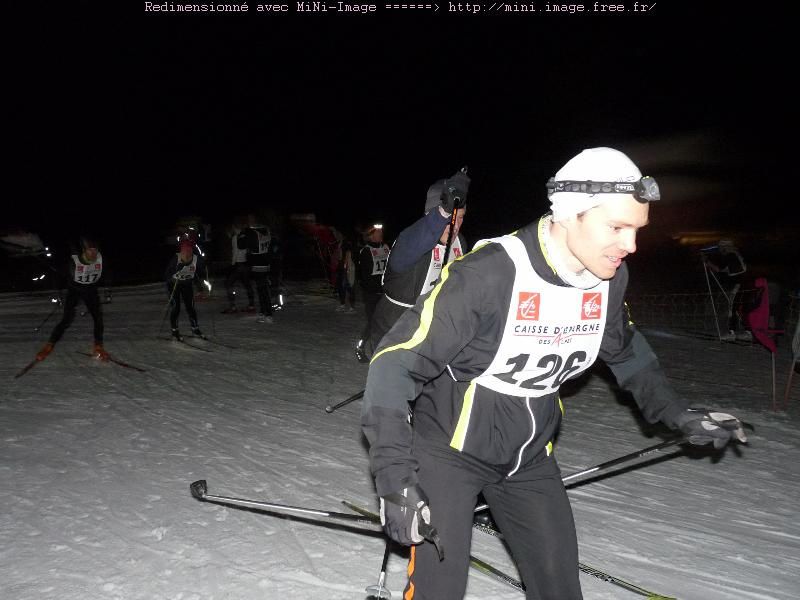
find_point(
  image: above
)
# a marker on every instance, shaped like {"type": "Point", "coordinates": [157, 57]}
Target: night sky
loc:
{"type": "Point", "coordinates": [125, 120]}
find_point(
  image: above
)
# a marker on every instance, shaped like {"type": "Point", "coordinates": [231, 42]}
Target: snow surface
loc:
{"type": "Point", "coordinates": [97, 461]}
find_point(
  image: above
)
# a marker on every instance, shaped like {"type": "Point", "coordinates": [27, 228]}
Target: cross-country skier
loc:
{"type": "Point", "coordinates": [84, 273]}
{"type": "Point", "coordinates": [240, 272]}
{"type": "Point", "coordinates": [484, 355]}
{"type": "Point", "coordinates": [181, 272]}
{"type": "Point", "coordinates": [372, 258]}
{"type": "Point", "coordinates": [256, 241]}
{"type": "Point", "coordinates": [416, 257]}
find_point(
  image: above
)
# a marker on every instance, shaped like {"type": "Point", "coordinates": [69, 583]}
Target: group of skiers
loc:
{"type": "Point", "coordinates": [468, 353]}
{"type": "Point", "coordinates": [253, 257]}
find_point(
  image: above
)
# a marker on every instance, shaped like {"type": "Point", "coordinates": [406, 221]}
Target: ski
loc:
{"type": "Point", "coordinates": [116, 361]}
{"type": "Point", "coordinates": [185, 343]}
{"type": "Point", "coordinates": [27, 368]}
{"type": "Point", "coordinates": [475, 563]}
{"type": "Point", "coordinates": [210, 341]}
{"type": "Point", "coordinates": [631, 587]}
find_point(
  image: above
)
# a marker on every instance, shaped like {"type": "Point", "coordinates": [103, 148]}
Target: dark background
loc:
{"type": "Point", "coordinates": [123, 122]}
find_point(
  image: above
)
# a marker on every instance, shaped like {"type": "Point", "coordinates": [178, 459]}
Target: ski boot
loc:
{"type": "Point", "coordinates": [484, 518]}
{"type": "Point", "coordinates": [44, 352]}
{"type": "Point", "coordinates": [177, 335]}
{"type": "Point", "coordinates": [99, 352]}
{"type": "Point", "coordinates": [196, 332]}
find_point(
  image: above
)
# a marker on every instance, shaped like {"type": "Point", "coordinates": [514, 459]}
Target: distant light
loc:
{"type": "Point", "coordinates": [39, 278]}
{"type": "Point", "coordinates": [377, 226]}
{"type": "Point", "coordinates": [46, 248]}
{"type": "Point", "coordinates": [54, 300]}
{"type": "Point", "coordinates": [208, 285]}
{"type": "Point", "coordinates": [48, 254]}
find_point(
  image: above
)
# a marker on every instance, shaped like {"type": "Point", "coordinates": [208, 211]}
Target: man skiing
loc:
{"type": "Point", "coordinates": [256, 242]}
{"type": "Point", "coordinates": [240, 271]}
{"type": "Point", "coordinates": [372, 260]}
{"type": "Point", "coordinates": [484, 355]}
{"type": "Point", "coordinates": [181, 272]}
{"type": "Point", "coordinates": [418, 255]}
{"type": "Point", "coordinates": [83, 278]}
{"type": "Point", "coordinates": [729, 266]}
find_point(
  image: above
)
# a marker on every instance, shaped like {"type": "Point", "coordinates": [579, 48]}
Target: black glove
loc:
{"type": "Point", "coordinates": [406, 518]}
{"type": "Point", "coordinates": [454, 194]}
{"type": "Point", "coordinates": [701, 426]}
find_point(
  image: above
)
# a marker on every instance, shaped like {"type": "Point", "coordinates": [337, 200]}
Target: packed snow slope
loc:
{"type": "Point", "coordinates": [97, 460]}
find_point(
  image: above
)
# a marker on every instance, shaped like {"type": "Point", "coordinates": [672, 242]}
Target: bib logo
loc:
{"type": "Point", "coordinates": [436, 255]}
{"type": "Point", "coordinates": [528, 306]}
{"type": "Point", "coordinates": [590, 308]}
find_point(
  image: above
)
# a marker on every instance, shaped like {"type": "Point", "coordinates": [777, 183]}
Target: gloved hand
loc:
{"type": "Point", "coordinates": [454, 194]}
{"type": "Point", "coordinates": [406, 518]}
{"type": "Point", "coordinates": [701, 426]}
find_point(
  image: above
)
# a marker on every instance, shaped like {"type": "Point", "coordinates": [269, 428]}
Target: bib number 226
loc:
{"type": "Point", "coordinates": [555, 367]}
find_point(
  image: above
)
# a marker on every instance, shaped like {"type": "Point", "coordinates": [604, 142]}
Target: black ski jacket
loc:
{"type": "Point", "coordinates": [451, 336]}
{"type": "Point", "coordinates": [407, 269]}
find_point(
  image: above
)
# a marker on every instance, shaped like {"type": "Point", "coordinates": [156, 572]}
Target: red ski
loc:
{"type": "Point", "coordinates": [27, 368]}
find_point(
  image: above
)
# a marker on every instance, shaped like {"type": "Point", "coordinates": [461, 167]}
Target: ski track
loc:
{"type": "Point", "coordinates": [97, 461]}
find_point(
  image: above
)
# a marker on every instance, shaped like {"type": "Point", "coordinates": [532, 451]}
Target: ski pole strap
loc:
{"type": "Point", "coordinates": [425, 529]}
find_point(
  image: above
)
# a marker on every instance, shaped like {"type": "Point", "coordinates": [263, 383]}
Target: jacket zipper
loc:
{"type": "Point", "coordinates": [529, 440]}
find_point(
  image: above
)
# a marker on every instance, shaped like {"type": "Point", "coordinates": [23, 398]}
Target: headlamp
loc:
{"type": "Point", "coordinates": [644, 190]}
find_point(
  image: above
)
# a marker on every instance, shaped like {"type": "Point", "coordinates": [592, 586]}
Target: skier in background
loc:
{"type": "Point", "coordinates": [728, 267]}
{"type": "Point", "coordinates": [182, 271]}
{"type": "Point", "coordinates": [240, 272]}
{"type": "Point", "coordinates": [256, 242]}
{"type": "Point", "coordinates": [372, 259]}
{"type": "Point", "coordinates": [84, 273]}
{"type": "Point", "coordinates": [417, 256]}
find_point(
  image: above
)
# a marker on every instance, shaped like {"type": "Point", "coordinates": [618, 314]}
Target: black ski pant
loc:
{"type": "Point", "coordinates": [183, 291]}
{"type": "Point", "coordinates": [530, 508]}
{"type": "Point", "coordinates": [370, 303]}
{"type": "Point", "coordinates": [92, 301]}
{"type": "Point", "coordinates": [261, 279]}
{"type": "Point", "coordinates": [240, 272]}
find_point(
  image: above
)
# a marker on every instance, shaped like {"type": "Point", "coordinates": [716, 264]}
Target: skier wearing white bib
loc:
{"type": "Point", "coordinates": [418, 255]}
{"type": "Point", "coordinates": [181, 272]}
{"type": "Point", "coordinates": [484, 355]}
{"type": "Point", "coordinates": [84, 274]}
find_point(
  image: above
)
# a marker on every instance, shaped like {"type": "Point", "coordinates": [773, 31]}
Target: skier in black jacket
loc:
{"type": "Point", "coordinates": [257, 240]}
{"type": "Point", "coordinates": [372, 259]}
{"type": "Point", "coordinates": [84, 273]}
{"type": "Point", "coordinates": [182, 271]}
{"type": "Point", "coordinates": [417, 256]}
{"type": "Point", "coordinates": [484, 355]}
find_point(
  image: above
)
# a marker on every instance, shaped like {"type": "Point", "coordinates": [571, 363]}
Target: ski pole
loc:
{"type": "Point", "coordinates": [353, 398]}
{"type": "Point", "coordinates": [711, 297]}
{"type": "Point", "coordinates": [199, 490]}
{"type": "Point", "coordinates": [47, 318]}
{"type": "Point", "coordinates": [169, 303]}
{"type": "Point", "coordinates": [380, 590]}
{"type": "Point", "coordinates": [611, 463]}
